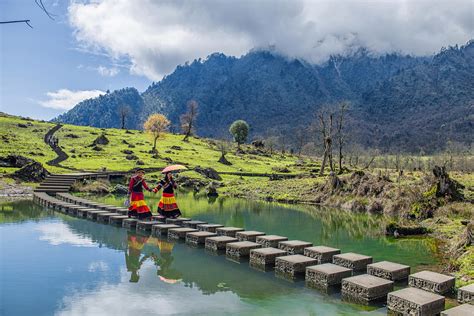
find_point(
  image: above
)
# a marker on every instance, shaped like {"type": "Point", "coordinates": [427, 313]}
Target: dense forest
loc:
{"type": "Point", "coordinates": [397, 102]}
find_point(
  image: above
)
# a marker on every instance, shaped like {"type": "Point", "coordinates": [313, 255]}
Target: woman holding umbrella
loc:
{"type": "Point", "coordinates": [167, 206]}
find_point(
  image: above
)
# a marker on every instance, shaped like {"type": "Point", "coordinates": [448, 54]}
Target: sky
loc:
{"type": "Point", "coordinates": [98, 45]}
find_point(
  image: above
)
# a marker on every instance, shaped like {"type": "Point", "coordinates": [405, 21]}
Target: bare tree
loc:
{"type": "Point", "coordinates": [124, 111]}
{"type": "Point", "coordinates": [271, 143]}
{"type": "Point", "coordinates": [224, 147]}
{"type": "Point", "coordinates": [340, 133]}
{"type": "Point", "coordinates": [40, 4]}
{"type": "Point", "coordinates": [325, 128]}
{"type": "Point", "coordinates": [188, 119]}
{"type": "Point", "coordinates": [300, 140]}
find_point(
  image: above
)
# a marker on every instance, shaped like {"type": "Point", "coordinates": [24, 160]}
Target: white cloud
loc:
{"type": "Point", "coordinates": [158, 35]}
{"type": "Point", "coordinates": [65, 99]}
{"type": "Point", "coordinates": [58, 233]}
{"type": "Point", "coordinates": [107, 72]}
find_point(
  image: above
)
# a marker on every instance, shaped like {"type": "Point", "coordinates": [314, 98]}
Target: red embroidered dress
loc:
{"type": "Point", "coordinates": [138, 206]}
{"type": "Point", "coordinates": [168, 206]}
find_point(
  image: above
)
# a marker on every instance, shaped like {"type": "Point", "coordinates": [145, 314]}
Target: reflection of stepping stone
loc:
{"type": "Point", "coordinates": [199, 237]}
{"type": "Point", "coordinates": [249, 235]}
{"type": "Point", "coordinates": [413, 301]}
{"type": "Point", "coordinates": [240, 248]}
{"type": "Point", "coordinates": [461, 310]}
{"type": "Point", "coordinates": [365, 288]}
{"type": "Point", "coordinates": [193, 224]}
{"type": "Point", "coordinates": [228, 231]}
{"type": "Point", "coordinates": [162, 229]}
{"type": "Point", "coordinates": [104, 217]}
{"type": "Point", "coordinates": [146, 225]}
{"type": "Point", "coordinates": [352, 261]}
{"type": "Point", "coordinates": [326, 274]}
{"type": "Point", "coordinates": [209, 227]}
{"type": "Point", "coordinates": [180, 233]}
{"type": "Point", "coordinates": [432, 282]}
{"type": "Point", "coordinates": [129, 223]}
{"type": "Point", "coordinates": [293, 265]}
{"type": "Point", "coordinates": [466, 294]}
{"type": "Point", "coordinates": [294, 247]}
{"type": "Point", "coordinates": [270, 240]}
{"type": "Point", "coordinates": [117, 220]}
{"type": "Point", "coordinates": [218, 242]}
{"type": "Point", "coordinates": [265, 256]}
{"type": "Point", "coordinates": [321, 253]}
{"type": "Point", "coordinates": [389, 270]}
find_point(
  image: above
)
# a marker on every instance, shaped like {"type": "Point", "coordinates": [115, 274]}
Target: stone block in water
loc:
{"type": "Point", "coordinates": [92, 215]}
{"type": "Point", "coordinates": [432, 282]}
{"type": "Point", "coordinates": [199, 237]}
{"type": "Point", "coordinates": [104, 207]}
{"type": "Point", "coordinates": [466, 294]}
{"type": "Point", "coordinates": [177, 221]}
{"type": "Point", "coordinates": [321, 253]}
{"type": "Point", "coordinates": [146, 225]}
{"type": "Point", "coordinates": [270, 240]}
{"type": "Point", "coordinates": [326, 274]}
{"type": "Point", "coordinates": [129, 223]}
{"type": "Point", "coordinates": [228, 231]}
{"type": "Point", "coordinates": [293, 265]}
{"type": "Point", "coordinates": [294, 247]}
{"type": "Point", "coordinates": [248, 235]}
{"type": "Point", "coordinates": [158, 218]}
{"type": "Point", "coordinates": [209, 227]}
{"type": "Point", "coordinates": [117, 219]}
{"type": "Point", "coordinates": [162, 229]}
{"type": "Point", "coordinates": [413, 301]}
{"type": "Point", "coordinates": [365, 288]}
{"type": "Point", "coordinates": [461, 310]}
{"type": "Point", "coordinates": [352, 261]}
{"type": "Point", "coordinates": [217, 243]}
{"type": "Point", "coordinates": [104, 217]}
{"type": "Point", "coordinates": [180, 233]}
{"type": "Point", "coordinates": [265, 256]}
{"type": "Point", "coordinates": [83, 212]}
{"type": "Point", "coordinates": [122, 211]}
{"type": "Point", "coordinates": [240, 248]}
{"type": "Point", "coordinates": [389, 270]}
{"type": "Point", "coordinates": [193, 224]}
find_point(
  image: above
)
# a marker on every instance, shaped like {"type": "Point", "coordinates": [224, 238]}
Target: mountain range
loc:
{"type": "Point", "coordinates": [398, 103]}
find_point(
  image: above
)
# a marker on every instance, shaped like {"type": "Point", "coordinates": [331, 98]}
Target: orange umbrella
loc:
{"type": "Point", "coordinates": [173, 168]}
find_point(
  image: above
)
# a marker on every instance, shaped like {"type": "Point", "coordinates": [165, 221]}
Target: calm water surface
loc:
{"type": "Point", "coordinates": [55, 264]}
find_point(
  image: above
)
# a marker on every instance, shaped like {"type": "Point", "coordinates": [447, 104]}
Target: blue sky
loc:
{"type": "Point", "coordinates": [95, 45]}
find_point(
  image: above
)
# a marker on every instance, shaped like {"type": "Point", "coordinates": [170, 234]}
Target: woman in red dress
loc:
{"type": "Point", "coordinates": [138, 207]}
{"type": "Point", "coordinates": [168, 206]}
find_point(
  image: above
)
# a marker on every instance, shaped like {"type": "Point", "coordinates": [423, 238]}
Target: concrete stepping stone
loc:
{"type": "Point", "coordinates": [293, 265]}
{"type": "Point", "coordinates": [240, 249]}
{"type": "Point", "coordinates": [321, 253]}
{"type": "Point", "coordinates": [159, 218]}
{"type": "Point", "coordinates": [92, 215]}
{"type": "Point", "coordinates": [432, 282]}
{"type": "Point", "coordinates": [199, 237]}
{"type": "Point", "coordinates": [294, 247]}
{"type": "Point", "coordinates": [389, 270]}
{"type": "Point", "coordinates": [354, 261]}
{"type": "Point", "coordinates": [461, 310]}
{"type": "Point", "coordinates": [218, 242]}
{"type": "Point", "coordinates": [209, 227]}
{"type": "Point", "coordinates": [117, 219]}
{"type": "Point", "coordinates": [265, 256]}
{"type": "Point", "coordinates": [270, 240]}
{"type": "Point", "coordinates": [105, 207]}
{"type": "Point", "coordinates": [82, 212]}
{"type": "Point", "coordinates": [146, 225]}
{"type": "Point", "coordinates": [413, 301]}
{"type": "Point", "coordinates": [365, 288]}
{"type": "Point", "coordinates": [177, 221]}
{"type": "Point", "coordinates": [122, 211]}
{"type": "Point", "coordinates": [104, 217]}
{"type": "Point", "coordinates": [228, 231]}
{"type": "Point", "coordinates": [180, 233]}
{"type": "Point", "coordinates": [466, 294]}
{"type": "Point", "coordinates": [248, 235]}
{"type": "Point", "coordinates": [162, 229]}
{"type": "Point", "coordinates": [193, 224]}
{"type": "Point", "coordinates": [326, 274]}
{"type": "Point", "coordinates": [129, 223]}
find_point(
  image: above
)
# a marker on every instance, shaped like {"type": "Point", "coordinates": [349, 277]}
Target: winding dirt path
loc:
{"type": "Point", "coordinates": [61, 154]}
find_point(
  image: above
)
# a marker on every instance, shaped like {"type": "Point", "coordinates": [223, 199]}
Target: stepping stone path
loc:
{"type": "Point", "coordinates": [270, 240]}
{"type": "Point", "coordinates": [162, 229]}
{"type": "Point", "coordinates": [209, 227]}
{"type": "Point", "coordinates": [389, 270]}
{"type": "Point", "coordinates": [466, 294]}
{"type": "Point", "coordinates": [413, 301]}
{"type": "Point", "coordinates": [218, 242]}
{"type": "Point", "coordinates": [193, 224]}
{"type": "Point", "coordinates": [104, 217]}
{"type": "Point", "coordinates": [265, 256]}
{"type": "Point", "coordinates": [199, 237]}
{"type": "Point", "coordinates": [228, 231]}
{"type": "Point", "coordinates": [146, 225]}
{"type": "Point", "coordinates": [431, 281]}
{"type": "Point", "coordinates": [365, 288]}
{"type": "Point", "coordinates": [92, 215]}
{"type": "Point", "coordinates": [326, 274]}
{"type": "Point", "coordinates": [321, 253]}
{"type": "Point", "coordinates": [240, 249]}
{"type": "Point", "coordinates": [180, 233]}
{"type": "Point", "coordinates": [352, 261]}
{"type": "Point", "coordinates": [248, 235]}
{"type": "Point", "coordinates": [293, 265]}
{"type": "Point", "coordinates": [117, 220]}
{"type": "Point", "coordinates": [294, 247]}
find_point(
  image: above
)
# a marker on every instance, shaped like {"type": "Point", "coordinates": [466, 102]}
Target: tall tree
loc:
{"type": "Point", "coordinates": [188, 119]}
{"type": "Point", "coordinates": [326, 117]}
{"type": "Point", "coordinates": [124, 111]}
{"type": "Point", "coordinates": [156, 124]}
{"type": "Point", "coordinates": [240, 131]}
